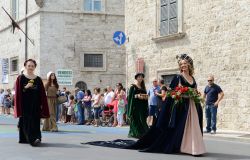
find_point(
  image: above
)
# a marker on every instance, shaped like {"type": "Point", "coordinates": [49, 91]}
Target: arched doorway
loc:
{"type": "Point", "coordinates": [81, 85]}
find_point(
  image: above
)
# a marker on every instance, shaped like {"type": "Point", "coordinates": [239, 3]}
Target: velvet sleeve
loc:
{"type": "Point", "coordinates": [172, 121]}
{"type": "Point", "coordinates": [175, 81]}
{"type": "Point", "coordinates": [44, 101]}
{"type": "Point", "coordinates": [131, 96]}
{"type": "Point", "coordinates": [18, 98]}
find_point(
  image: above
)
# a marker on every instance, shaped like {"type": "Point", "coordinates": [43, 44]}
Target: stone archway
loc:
{"type": "Point", "coordinates": [81, 85]}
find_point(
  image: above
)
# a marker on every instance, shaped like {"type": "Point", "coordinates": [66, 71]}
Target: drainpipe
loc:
{"type": "Point", "coordinates": [26, 30]}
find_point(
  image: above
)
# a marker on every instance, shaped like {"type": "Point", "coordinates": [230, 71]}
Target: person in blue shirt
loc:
{"type": "Point", "coordinates": [213, 95]}
{"type": "Point", "coordinates": [153, 101]}
{"type": "Point", "coordinates": [80, 108]}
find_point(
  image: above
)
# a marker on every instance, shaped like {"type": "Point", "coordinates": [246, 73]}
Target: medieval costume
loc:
{"type": "Point", "coordinates": [30, 106]}
{"type": "Point", "coordinates": [137, 111]}
{"type": "Point", "coordinates": [50, 123]}
{"type": "Point", "coordinates": [179, 126]}
{"type": "Point", "coordinates": [177, 130]}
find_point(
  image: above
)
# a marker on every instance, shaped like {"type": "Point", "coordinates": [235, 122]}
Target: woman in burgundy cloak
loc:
{"type": "Point", "coordinates": [30, 104]}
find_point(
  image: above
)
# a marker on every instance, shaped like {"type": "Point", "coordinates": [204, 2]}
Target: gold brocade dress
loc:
{"type": "Point", "coordinates": [50, 123]}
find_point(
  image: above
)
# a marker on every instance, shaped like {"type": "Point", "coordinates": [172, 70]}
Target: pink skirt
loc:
{"type": "Point", "coordinates": [192, 141]}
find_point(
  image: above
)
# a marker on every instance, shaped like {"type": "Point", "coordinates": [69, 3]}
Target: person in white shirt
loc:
{"type": "Point", "coordinates": [109, 96]}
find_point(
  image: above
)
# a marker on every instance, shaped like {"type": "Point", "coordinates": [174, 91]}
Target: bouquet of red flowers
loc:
{"type": "Point", "coordinates": [178, 94]}
{"type": "Point", "coordinates": [181, 92]}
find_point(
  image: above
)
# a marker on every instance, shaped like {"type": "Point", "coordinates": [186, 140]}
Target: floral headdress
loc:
{"type": "Point", "coordinates": [184, 57]}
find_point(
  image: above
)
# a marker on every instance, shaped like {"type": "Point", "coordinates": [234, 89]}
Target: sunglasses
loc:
{"type": "Point", "coordinates": [210, 80]}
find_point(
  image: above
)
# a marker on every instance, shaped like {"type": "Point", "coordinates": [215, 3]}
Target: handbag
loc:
{"type": "Point", "coordinates": [61, 99]}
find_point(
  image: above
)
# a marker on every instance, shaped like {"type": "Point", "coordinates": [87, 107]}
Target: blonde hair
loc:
{"type": "Point", "coordinates": [190, 67]}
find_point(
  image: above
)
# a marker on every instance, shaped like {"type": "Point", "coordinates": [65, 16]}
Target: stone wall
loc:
{"type": "Point", "coordinates": [69, 32]}
{"type": "Point", "coordinates": [13, 45]}
{"type": "Point", "coordinates": [217, 37]}
{"type": "Point", "coordinates": [62, 32]}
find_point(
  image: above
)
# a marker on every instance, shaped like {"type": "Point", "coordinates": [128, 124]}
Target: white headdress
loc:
{"type": "Point", "coordinates": [48, 74]}
{"type": "Point", "coordinates": [22, 70]}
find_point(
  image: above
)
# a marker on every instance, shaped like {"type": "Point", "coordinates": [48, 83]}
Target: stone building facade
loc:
{"type": "Point", "coordinates": [73, 35]}
{"type": "Point", "coordinates": [216, 34]}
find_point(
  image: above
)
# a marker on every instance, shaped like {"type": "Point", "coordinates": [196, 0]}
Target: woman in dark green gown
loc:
{"type": "Point", "coordinates": [138, 107]}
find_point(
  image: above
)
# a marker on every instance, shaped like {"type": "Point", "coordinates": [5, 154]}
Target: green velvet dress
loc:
{"type": "Point", "coordinates": [137, 112]}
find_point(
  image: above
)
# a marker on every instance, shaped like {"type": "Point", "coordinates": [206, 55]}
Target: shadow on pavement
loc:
{"type": "Point", "coordinates": [118, 143]}
{"type": "Point", "coordinates": [62, 145]}
{"type": "Point", "coordinates": [223, 156]}
{"type": "Point", "coordinates": [68, 132]}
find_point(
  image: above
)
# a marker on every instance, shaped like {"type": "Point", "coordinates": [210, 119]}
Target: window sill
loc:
{"type": "Point", "coordinates": [83, 12]}
{"type": "Point", "coordinates": [93, 69]}
{"type": "Point", "coordinates": [169, 37]}
{"type": "Point", "coordinates": [93, 12]}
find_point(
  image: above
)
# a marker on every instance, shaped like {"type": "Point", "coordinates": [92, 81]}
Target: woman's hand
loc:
{"type": "Point", "coordinates": [29, 85]}
{"type": "Point", "coordinates": [138, 96]}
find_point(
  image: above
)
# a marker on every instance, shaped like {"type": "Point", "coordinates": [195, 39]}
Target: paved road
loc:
{"type": "Point", "coordinates": [65, 145]}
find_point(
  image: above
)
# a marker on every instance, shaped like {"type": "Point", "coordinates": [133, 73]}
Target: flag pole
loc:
{"type": "Point", "coordinates": [15, 25]}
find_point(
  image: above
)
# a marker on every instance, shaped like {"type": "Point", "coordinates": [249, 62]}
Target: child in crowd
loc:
{"type": "Point", "coordinates": [70, 111]}
{"type": "Point", "coordinates": [121, 110]}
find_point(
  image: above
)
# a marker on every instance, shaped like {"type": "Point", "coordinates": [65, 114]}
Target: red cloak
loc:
{"type": "Point", "coordinates": [44, 112]}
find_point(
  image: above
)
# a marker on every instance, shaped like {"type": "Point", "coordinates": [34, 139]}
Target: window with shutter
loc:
{"type": "Point", "coordinates": [169, 17]}
{"type": "Point", "coordinates": [93, 5]}
{"type": "Point", "coordinates": [87, 5]}
{"type": "Point", "coordinates": [14, 65]}
{"type": "Point", "coordinates": [97, 5]}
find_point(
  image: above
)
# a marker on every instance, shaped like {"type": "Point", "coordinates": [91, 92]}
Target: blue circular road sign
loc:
{"type": "Point", "coordinates": [119, 38]}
